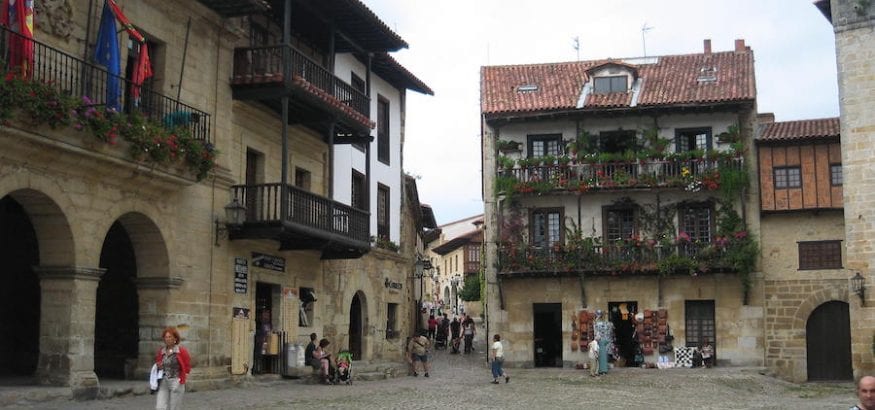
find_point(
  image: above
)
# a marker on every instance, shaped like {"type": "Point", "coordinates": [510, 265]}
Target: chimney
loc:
{"type": "Point", "coordinates": [707, 46]}
{"type": "Point", "coordinates": [739, 46]}
{"type": "Point", "coordinates": [766, 117]}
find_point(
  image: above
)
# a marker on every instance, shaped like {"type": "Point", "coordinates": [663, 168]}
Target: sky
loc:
{"type": "Point", "coordinates": [793, 44]}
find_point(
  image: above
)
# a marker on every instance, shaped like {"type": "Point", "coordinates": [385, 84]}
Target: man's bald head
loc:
{"type": "Point", "coordinates": [866, 392]}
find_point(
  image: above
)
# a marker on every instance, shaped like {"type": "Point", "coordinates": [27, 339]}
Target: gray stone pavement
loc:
{"type": "Point", "coordinates": [463, 381]}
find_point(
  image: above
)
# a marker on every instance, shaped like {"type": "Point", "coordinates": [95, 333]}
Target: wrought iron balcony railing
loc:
{"type": "Point", "coordinates": [78, 78]}
{"type": "Point", "coordinates": [280, 64]}
{"type": "Point", "coordinates": [691, 174]}
{"type": "Point", "coordinates": [306, 213]}
{"type": "Point", "coordinates": [628, 257]}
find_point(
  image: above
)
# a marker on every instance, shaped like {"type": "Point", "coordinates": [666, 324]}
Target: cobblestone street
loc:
{"type": "Point", "coordinates": [463, 381]}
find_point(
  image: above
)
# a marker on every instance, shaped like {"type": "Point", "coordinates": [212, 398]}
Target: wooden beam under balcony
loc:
{"type": "Point", "coordinates": [271, 72]}
{"type": "Point", "coordinates": [314, 222]}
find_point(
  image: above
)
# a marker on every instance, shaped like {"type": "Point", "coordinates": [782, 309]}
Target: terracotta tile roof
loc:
{"type": "Point", "coordinates": [667, 81]}
{"type": "Point", "coordinates": [458, 242]}
{"type": "Point", "coordinates": [800, 130]}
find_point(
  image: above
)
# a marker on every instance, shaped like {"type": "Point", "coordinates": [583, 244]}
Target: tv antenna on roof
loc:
{"type": "Point", "coordinates": [576, 45]}
{"type": "Point", "coordinates": [644, 30]}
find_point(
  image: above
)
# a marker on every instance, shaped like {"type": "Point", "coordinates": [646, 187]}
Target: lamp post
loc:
{"type": "Point", "coordinates": [857, 283]}
{"type": "Point", "coordinates": [235, 216]}
{"type": "Point", "coordinates": [419, 268]}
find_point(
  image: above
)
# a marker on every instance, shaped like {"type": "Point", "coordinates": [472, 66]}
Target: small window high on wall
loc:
{"type": "Point", "coordinates": [820, 255]}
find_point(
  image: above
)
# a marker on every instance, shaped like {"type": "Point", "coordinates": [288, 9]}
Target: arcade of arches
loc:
{"type": "Point", "coordinates": [52, 304]}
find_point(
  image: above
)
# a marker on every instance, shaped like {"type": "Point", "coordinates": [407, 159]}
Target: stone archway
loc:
{"type": "Point", "coordinates": [132, 297]}
{"type": "Point", "coordinates": [833, 291]}
{"type": "Point", "coordinates": [358, 323]}
{"type": "Point", "coordinates": [828, 342]}
{"type": "Point", "coordinates": [116, 322]}
{"type": "Point", "coordinates": [62, 313]}
{"type": "Point", "coordinates": [20, 292]}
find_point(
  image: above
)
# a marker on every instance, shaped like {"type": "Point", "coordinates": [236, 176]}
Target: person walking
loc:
{"type": "Point", "coordinates": [432, 327]}
{"type": "Point", "coordinates": [418, 347]}
{"type": "Point", "coordinates": [468, 331]}
{"type": "Point", "coordinates": [455, 333]}
{"type": "Point", "coordinates": [593, 352]}
{"type": "Point", "coordinates": [175, 362]}
{"type": "Point", "coordinates": [497, 353]}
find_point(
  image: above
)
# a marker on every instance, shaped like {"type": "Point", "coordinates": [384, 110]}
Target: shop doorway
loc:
{"type": "Point", "coordinates": [266, 354]}
{"type": "Point", "coordinates": [828, 342]}
{"type": "Point", "coordinates": [547, 334]}
{"type": "Point", "coordinates": [357, 321]}
{"type": "Point", "coordinates": [116, 321]}
{"type": "Point", "coordinates": [19, 292]}
{"type": "Point", "coordinates": [622, 316]}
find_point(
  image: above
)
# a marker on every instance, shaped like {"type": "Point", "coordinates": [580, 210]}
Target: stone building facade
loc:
{"type": "Point", "coordinates": [109, 242]}
{"type": "Point", "coordinates": [601, 194]}
{"type": "Point", "coordinates": [807, 326]}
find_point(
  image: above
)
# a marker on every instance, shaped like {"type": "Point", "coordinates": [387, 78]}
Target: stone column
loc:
{"type": "Point", "coordinates": [67, 311]}
{"type": "Point", "coordinates": [155, 298]}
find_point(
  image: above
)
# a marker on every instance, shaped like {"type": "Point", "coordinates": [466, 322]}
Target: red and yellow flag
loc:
{"type": "Point", "coordinates": [125, 22]}
{"type": "Point", "coordinates": [17, 15]}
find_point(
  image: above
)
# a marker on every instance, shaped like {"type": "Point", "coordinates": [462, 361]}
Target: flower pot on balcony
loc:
{"type": "Point", "coordinates": [507, 147]}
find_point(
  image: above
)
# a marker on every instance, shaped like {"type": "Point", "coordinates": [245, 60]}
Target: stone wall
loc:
{"type": "Point", "coordinates": [854, 23]}
{"type": "Point", "coordinates": [738, 327]}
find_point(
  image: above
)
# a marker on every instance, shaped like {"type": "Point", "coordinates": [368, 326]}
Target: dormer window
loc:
{"type": "Point", "coordinates": [612, 84]}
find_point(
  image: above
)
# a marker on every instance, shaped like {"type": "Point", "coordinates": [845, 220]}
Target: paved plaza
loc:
{"type": "Point", "coordinates": [463, 382]}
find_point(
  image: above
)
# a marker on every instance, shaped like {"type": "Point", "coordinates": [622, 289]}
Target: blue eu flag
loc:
{"type": "Point", "coordinates": [106, 53]}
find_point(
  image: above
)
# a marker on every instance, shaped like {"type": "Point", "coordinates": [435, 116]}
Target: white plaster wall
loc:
{"type": "Point", "coordinates": [347, 157]}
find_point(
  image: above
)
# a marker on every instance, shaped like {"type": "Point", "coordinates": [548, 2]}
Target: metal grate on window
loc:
{"type": "Point", "coordinates": [820, 255]}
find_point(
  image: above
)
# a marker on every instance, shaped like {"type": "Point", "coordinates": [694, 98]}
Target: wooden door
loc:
{"type": "Point", "coordinates": [828, 342]}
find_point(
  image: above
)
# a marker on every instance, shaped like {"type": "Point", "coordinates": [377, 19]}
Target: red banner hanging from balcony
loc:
{"type": "Point", "coordinates": [18, 16]}
{"type": "Point", "coordinates": [142, 70]}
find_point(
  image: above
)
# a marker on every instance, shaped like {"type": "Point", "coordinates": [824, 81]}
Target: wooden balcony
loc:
{"type": "Point", "coordinates": [688, 174]}
{"type": "Point", "coordinates": [270, 72]}
{"type": "Point", "coordinates": [623, 258]}
{"type": "Point", "coordinates": [311, 221]}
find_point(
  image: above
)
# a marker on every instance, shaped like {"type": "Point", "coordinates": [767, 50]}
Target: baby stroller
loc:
{"type": "Point", "coordinates": [344, 368]}
{"type": "Point", "coordinates": [440, 340]}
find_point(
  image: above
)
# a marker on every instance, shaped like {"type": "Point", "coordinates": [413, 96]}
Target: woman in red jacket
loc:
{"type": "Point", "coordinates": [175, 362]}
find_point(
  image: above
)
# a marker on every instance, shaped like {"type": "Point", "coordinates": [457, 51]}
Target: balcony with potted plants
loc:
{"type": "Point", "coordinates": [582, 169]}
{"type": "Point", "coordinates": [61, 101]}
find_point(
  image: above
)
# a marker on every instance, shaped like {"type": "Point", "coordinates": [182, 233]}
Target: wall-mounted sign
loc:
{"type": "Point", "coordinates": [241, 275]}
{"type": "Point", "coordinates": [392, 285]}
{"type": "Point", "coordinates": [269, 262]}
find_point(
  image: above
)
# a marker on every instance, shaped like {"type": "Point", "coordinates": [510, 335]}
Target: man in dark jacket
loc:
{"type": "Point", "coordinates": [308, 353]}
